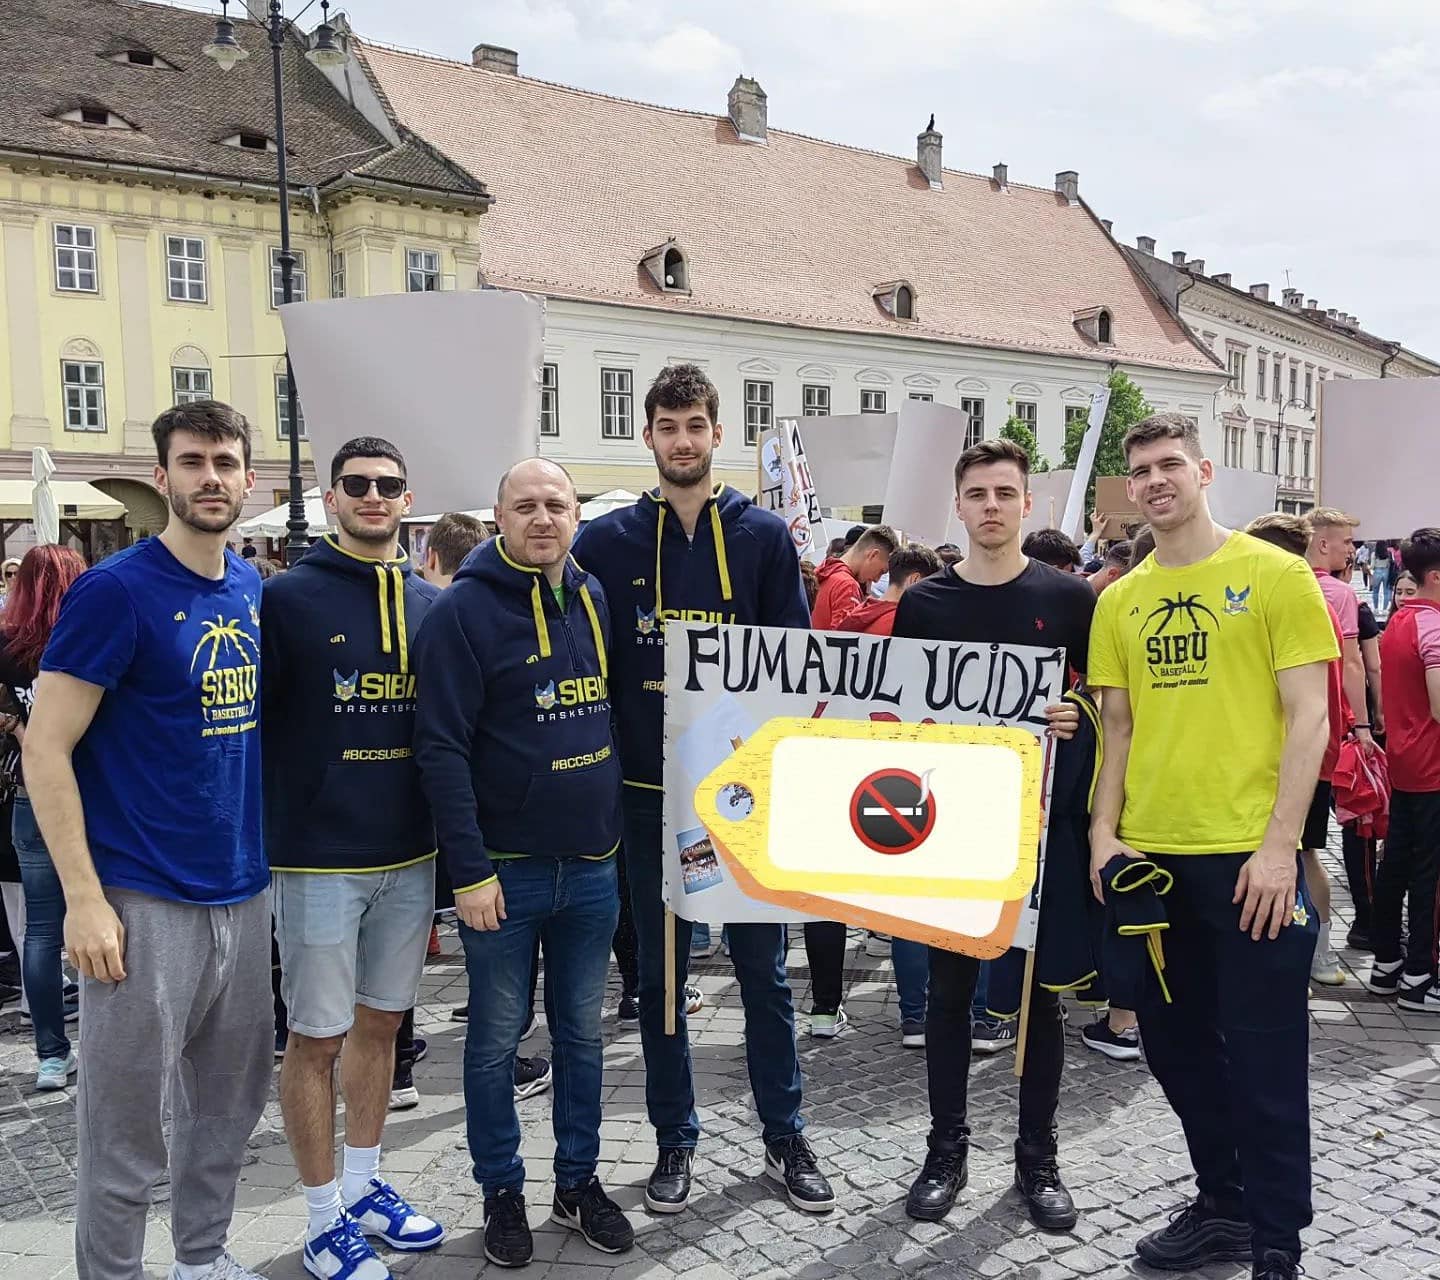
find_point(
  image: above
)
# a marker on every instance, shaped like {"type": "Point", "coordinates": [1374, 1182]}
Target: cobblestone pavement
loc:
{"type": "Point", "coordinates": [1376, 1090]}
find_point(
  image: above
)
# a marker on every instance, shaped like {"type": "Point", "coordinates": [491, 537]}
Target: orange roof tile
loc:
{"type": "Point", "coordinates": [797, 231]}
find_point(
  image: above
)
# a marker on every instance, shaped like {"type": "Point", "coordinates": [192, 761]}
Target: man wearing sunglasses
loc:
{"type": "Point", "coordinates": [352, 849]}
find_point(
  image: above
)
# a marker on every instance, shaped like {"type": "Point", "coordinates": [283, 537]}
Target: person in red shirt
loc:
{"type": "Point", "coordinates": [844, 579]}
{"type": "Point", "coordinates": [1410, 660]}
{"type": "Point", "coordinates": [908, 565]}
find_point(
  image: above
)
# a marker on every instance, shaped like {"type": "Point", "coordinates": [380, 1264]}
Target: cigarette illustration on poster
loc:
{"type": "Point", "coordinates": [893, 783]}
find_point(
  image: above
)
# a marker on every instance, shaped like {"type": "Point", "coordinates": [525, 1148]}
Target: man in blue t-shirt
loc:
{"type": "Point", "coordinates": [142, 758]}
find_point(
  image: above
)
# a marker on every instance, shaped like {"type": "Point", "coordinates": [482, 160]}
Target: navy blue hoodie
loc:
{"type": "Point", "coordinates": [513, 735]}
{"type": "Point", "coordinates": [741, 566]}
{"type": "Point", "coordinates": [342, 792]}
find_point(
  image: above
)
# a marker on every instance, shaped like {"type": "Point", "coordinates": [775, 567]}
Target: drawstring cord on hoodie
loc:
{"type": "Point", "coordinates": [401, 640]}
{"type": "Point", "coordinates": [721, 563]}
{"type": "Point", "coordinates": [542, 629]}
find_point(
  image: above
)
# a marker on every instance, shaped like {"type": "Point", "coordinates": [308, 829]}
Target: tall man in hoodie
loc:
{"type": "Point", "coordinates": [352, 850]}
{"type": "Point", "coordinates": [846, 579]}
{"type": "Point", "coordinates": [693, 549]}
{"type": "Point", "coordinates": [515, 748]}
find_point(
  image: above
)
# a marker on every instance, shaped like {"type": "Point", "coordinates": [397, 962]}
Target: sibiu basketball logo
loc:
{"type": "Point", "coordinates": [545, 696]}
{"type": "Point", "coordinates": [1237, 601]}
{"type": "Point", "coordinates": [345, 685]}
{"type": "Point", "coordinates": [1178, 655]}
{"type": "Point", "coordinates": [227, 657]}
{"type": "Point", "coordinates": [644, 622]}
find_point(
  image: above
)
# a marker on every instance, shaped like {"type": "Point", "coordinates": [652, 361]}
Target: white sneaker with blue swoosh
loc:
{"type": "Point", "coordinates": [382, 1211]}
{"type": "Point", "coordinates": [340, 1252]}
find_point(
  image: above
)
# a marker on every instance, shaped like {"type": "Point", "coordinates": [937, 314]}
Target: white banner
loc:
{"type": "Point", "coordinates": [787, 488]}
{"type": "Point", "coordinates": [726, 684]}
{"type": "Point", "coordinates": [1085, 464]}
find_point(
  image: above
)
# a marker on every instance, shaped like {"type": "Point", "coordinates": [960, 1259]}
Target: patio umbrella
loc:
{"type": "Point", "coordinates": [47, 514]}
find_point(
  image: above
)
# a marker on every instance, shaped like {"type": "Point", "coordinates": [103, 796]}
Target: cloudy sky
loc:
{"type": "Point", "coordinates": [1277, 139]}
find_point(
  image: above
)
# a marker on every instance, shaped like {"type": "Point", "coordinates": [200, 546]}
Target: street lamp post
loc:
{"type": "Point", "coordinates": [226, 52]}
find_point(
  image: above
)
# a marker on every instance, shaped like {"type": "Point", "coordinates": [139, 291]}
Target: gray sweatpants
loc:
{"type": "Point", "coordinates": [188, 1034]}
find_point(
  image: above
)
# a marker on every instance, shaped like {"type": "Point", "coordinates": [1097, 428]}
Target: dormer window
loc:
{"type": "Point", "coordinates": [1096, 324]}
{"type": "Point", "coordinates": [667, 266]}
{"type": "Point", "coordinates": [140, 58]}
{"type": "Point", "coordinates": [248, 141]}
{"type": "Point", "coordinates": [896, 298]}
{"type": "Point", "coordinates": [94, 118]}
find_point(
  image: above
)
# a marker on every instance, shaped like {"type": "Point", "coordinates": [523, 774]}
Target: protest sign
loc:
{"type": "Point", "coordinates": [787, 489]}
{"type": "Point", "coordinates": [919, 492]}
{"type": "Point", "coordinates": [1071, 521]}
{"type": "Point", "coordinates": [853, 723]}
{"type": "Point", "coordinates": [477, 354]}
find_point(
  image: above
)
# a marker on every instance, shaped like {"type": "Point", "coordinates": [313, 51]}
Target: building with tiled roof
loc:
{"type": "Point", "coordinates": [807, 276]}
{"type": "Point", "coordinates": [139, 221]}
{"type": "Point", "coordinates": [1278, 353]}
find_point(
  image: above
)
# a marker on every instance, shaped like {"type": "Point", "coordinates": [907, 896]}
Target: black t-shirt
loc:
{"type": "Point", "coordinates": [1369, 628]}
{"type": "Point", "coordinates": [19, 683]}
{"type": "Point", "coordinates": [1042, 606]}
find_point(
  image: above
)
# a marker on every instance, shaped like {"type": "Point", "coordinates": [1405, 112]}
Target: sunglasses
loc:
{"type": "Point", "coordinates": [390, 487]}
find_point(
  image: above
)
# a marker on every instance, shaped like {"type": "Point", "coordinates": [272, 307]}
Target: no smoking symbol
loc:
{"type": "Point", "coordinates": [892, 811]}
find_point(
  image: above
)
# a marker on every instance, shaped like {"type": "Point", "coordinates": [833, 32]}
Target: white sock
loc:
{"type": "Point", "coordinates": [323, 1205]}
{"type": "Point", "coordinates": [361, 1164]}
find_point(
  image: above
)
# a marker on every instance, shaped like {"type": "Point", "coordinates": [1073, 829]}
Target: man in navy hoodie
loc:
{"type": "Point", "coordinates": [514, 744]}
{"type": "Point", "coordinates": [692, 549]}
{"type": "Point", "coordinates": [351, 847]}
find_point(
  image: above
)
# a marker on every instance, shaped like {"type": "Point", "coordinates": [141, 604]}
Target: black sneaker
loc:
{"type": "Point", "coordinates": [1199, 1233]}
{"type": "Point", "coordinates": [532, 1076]}
{"type": "Point", "coordinates": [1384, 979]}
{"type": "Point", "coordinates": [791, 1163]}
{"type": "Point", "coordinates": [421, 1049]}
{"type": "Point", "coordinates": [912, 1033]}
{"type": "Point", "coordinates": [403, 1093]}
{"type": "Point", "coordinates": [507, 1234]}
{"type": "Point", "coordinates": [282, 1038]}
{"type": "Point", "coordinates": [668, 1190]}
{"type": "Point", "coordinates": [1422, 996]}
{"type": "Point", "coordinates": [1275, 1266]}
{"type": "Point", "coordinates": [932, 1195]}
{"type": "Point", "coordinates": [1037, 1179]}
{"type": "Point", "coordinates": [595, 1216]}
{"type": "Point", "coordinates": [629, 1010]}
{"type": "Point", "coordinates": [462, 1014]}
{"type": "Point", "coordinates": [1358, 939]}
{"type": "Point", "coordinates": [1121, 1046]}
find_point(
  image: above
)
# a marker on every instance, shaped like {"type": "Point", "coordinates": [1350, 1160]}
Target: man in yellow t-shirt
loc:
{"type": "Point", "coordinates": [1211, 657]}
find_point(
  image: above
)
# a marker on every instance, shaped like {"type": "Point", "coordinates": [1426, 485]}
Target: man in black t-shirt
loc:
{"type": "Point", "coordinates": [997, 596]}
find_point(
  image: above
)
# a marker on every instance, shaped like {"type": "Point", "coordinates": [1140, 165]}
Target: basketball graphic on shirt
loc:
{"type": "Point", "coordinates": [1178, 634]}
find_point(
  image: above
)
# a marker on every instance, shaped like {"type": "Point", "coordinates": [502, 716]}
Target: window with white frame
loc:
{"type": "Point", "coordinates": [759, 409]}
{"type": "Point", "coordinates": [1259, 449]}
{"type": "Point", "coordinates": [1305, 454]}
{"type": "Point", "coordinates": [1290, 455]}
{"type": "Point", "coordinates": [76, 267]}
{"type": "Point", "coordinates": [1077, 413]}
{"type": "Point", "coordinates": [185, 268]}
{"type": "Point", "coordinates": [1276, 373]}
{"type": "Point", "coordinates": [814, 400]}
{"type": "Point", "coordinates": [1260, 377]}
{"type": "Point", "coordinates": [617, 404]}
{"type": "Point", "coordinates": [974, 410]}
{"type": "Point", "coordinates": [1237, 370]}
{"type": "Point", "coordinates": [1294, 381]}
{"type": "Point", "coordinates": [337, 273]}
{"type": "Point", "coordinates": [83, 384]}
{"type": "Point", "coordinates": [871, 401]}
{"type": "Point", "coordinates": [1028, 411]}
{"type": "Point", "coordinates": [1274, 453]}
{"type": "Point", "coordinates": [549, 400]}
{"type": "Point", "coordinates": [299, 277]}
{"type": "Point", "coordinates": [422, 270]}
{"type": "Point", "coordinates": [922, 395]}
{"type": "Point", "coordinates": [1309, 389]}
{"type": "Point", "coordinates": [282, 409]}
{"type": "Point", "coordinates": [188, 385]}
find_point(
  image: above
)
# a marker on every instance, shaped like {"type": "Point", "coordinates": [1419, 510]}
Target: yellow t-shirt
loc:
{"type": "Point", "coordinates": [1197, 649]}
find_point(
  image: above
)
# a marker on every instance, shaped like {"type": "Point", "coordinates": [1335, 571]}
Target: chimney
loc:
{"type": "Point", "coordinates": [1261, 291]}
{"type": "Point", "coordinates": [492, 57]}
{"type": "Point", "coordinates": [1332, 314]}
{"type": "Point", "coordinates": [1108, 225]}
{"type": "Point", "coordinates": [1292, 298]}
{"type": "Point", "coordinates": [1178, 257]}
{"type": "Point", "coordinates": [1067, 184]}
{"type": "Point", "coordinates": [1146, 244]}
{"type": "Point", "coordinates": [927, 155]}
{"type": "Point", "coordinates": [1223, 278]}
{"type": "Point", "coordinates": [1001, 174]}
{"type": "Point", "coordinates": [1197, 265]}
{"type": "Point", "coordinates": [1312, 305]}
{"type": "Point", "coordinates": [746, 105]}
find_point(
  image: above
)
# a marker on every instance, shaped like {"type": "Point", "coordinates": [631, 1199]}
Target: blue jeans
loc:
{"type": "Point", "coordinates": [1381, 587]}
{"type": "Point", "coordinates": [572, 905]}
{"type": "Point", "coordinates": [758, 953]}
{"type": "Point", "coordinates": [912, 977]}
{"type": "Point", "coordinates": [979, 1009]}
{"type": "Point", "coordinates": [44, 933]}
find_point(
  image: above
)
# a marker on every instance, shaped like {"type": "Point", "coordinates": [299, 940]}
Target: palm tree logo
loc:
{"type": "Point", "coordinates": [224, 637]}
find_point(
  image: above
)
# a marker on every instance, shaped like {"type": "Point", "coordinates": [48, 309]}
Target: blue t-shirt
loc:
{"type": "Point", "coordinates": [169, 769]}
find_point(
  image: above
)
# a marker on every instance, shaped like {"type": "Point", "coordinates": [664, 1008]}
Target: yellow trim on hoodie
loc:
{"type": "Point", "coordinates": [717, 532]}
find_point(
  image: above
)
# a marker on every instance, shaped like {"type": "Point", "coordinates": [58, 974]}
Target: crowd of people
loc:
{"type": "Point", "coordinates": [229, 802]}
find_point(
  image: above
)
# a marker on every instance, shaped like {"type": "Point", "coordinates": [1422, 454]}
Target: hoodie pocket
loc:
{"type": "Point", "coordinates": [574, 811]}
{"type": "Point", "coordinates": [372, 805]}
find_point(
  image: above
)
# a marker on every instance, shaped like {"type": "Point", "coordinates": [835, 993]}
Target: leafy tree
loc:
{"type": "Point", "coordinates": [1018, 431]}
{"type": "Point", "coordinates": [1127, 407]}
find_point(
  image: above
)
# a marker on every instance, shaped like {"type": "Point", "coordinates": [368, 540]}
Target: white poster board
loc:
{"type": "Point", "coordinates": [1237, 496]}
{"type": "Point", "coordinates": [786, 488]}
{"type": "Point", "coordinates": [919, 493]}
{"type": "Point", "coordinates": [1380, 452]}
{"type": "Point", "coordinates": [724, 684]}
{"type": "Point", "coordinates": [450, 378]}
{"type": "Point", "coordinates": [1074, 517]}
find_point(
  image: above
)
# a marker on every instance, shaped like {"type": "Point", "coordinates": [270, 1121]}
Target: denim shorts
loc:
{"type": "Point", "coordinates": [349, 938]}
